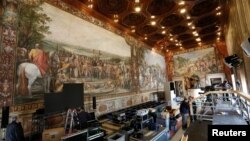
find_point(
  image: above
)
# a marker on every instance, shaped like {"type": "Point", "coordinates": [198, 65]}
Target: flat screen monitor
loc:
{"type": "Point", "coordinates": [73, 95]}
{"type": "Point", "coordinates": [53, 103]}
{"type": "Point", "coordinates": [78, 136]}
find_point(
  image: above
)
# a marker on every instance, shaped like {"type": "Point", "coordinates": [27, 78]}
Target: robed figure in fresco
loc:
{"type": "Point", "coordinates": [39, 58]}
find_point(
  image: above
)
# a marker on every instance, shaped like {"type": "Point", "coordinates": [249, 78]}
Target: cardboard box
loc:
{"type": "Point", "coordinates": [54, 134]}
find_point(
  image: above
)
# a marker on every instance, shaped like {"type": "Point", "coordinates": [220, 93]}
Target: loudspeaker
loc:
{"type": "Point", "coordinates": [245, 45]}
{"type": "Point", "coordinates": [73, 95]}
{"type": "Point", "coordinates": [5, 116]}
{"type": "Point", "coordinates": [232, 61]}
{"type": "Point", "coordinates": [171, 86]}
{"type": "Point", "coordinates": [94, 102]}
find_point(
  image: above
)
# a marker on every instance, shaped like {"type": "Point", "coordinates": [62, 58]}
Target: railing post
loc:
{"type": "Point", "coordinates": [248, 110]}
{"type": "Point", "coordinates": [230, 98]}
{"type": "Point", "coordinates": [239, 104]}
{"type": "Point", "coordinates": [191, 110]}
{"type": "Point", "coordinates": [241, 107]}
{"type": "Point", "coordinates": [213, 108]}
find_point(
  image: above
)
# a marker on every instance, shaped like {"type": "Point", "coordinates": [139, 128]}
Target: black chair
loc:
{"type": "Point", "coordinates": [85, 120]}
{"type": "Point", "coordinates": [81, 120]}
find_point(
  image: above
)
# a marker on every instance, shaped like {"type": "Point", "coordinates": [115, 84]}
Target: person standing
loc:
{"type": "Point", "coordinates": [14, 131]}
{"type": "Point", "coordinates": [184, 110]}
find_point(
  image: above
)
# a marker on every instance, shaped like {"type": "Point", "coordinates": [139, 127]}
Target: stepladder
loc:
{"type": "Point", "coordinates": [70, 120]}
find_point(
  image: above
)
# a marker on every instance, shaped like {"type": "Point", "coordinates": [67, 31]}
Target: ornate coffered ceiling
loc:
{"type": "Point", "coordinates": [166, 25]}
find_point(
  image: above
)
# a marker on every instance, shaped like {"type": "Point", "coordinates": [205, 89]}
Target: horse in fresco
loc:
{"type": "Point", "coordinates": [27, 73]}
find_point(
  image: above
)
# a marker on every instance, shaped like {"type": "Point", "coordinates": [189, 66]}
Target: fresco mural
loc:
{"type": "Point", "coordinates": [55, 47]}
{"type": "Point", "coordinates": [196, 65]}
{"type": "Point", "coordinates": [42, 47]}
{"type": "Point", "coordinates": [152, 71]}
{"type": "Point", "coordinates": [8, 43]}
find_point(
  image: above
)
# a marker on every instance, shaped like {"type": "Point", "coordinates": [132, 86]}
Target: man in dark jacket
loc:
{"type": "Point", "coordinates": [184, 110]}
{"type": "Point", "coordinates": [14, 131]}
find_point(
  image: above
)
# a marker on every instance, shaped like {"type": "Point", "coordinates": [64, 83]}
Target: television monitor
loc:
{"type": "Point", "coordinates": [78, 136]}
{"type": "Point", "coordinates": [73, 95]}
{"type": "Point", "coordinates": [53, 103]}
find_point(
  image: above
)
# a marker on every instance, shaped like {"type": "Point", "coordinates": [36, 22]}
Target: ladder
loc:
{"type": "Point", "coordinates": [71, 113]}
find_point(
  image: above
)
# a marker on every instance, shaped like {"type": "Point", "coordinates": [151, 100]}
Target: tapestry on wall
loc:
{"type": "Point", "coordinates": [196, 64]}
{"type": "Point", "coordinates": [152, 71]}
{"type": "Point", "coordinates": [56, 47]}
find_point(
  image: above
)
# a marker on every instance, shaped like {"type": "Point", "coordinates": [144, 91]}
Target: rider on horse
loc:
{"type": "Point", "coordinates": [39, 58]}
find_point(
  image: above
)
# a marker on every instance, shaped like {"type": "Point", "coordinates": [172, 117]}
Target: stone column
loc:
{"type": "Point", "coordinates": [169, 65]}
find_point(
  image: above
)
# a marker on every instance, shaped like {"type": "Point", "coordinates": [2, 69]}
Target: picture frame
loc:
{"type": "Point", "coordinates": [179, 86]}
{"type": "Point", "coordinates": [215, 79]}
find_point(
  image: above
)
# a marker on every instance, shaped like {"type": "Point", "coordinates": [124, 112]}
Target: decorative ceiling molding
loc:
{"type": "Point", "coordinates": [146, 19]}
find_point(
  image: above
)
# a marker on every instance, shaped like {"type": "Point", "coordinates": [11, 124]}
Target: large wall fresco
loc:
{"type": "Point", "coordinates": [152, 71]}
{"type": "Point", "coordinates": [44, 45]}
{"type": "Point", "coordinates": [109, 105]}
{"type": "Point", "coordinates": [197, 64]}
{"type": "Point", "coordinates": [65, 48]}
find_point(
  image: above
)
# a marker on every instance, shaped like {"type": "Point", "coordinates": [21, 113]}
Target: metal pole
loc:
{"type": "Point", "coordinates": [247, 109]}
{"type": "Point", "coordinates": [213, 107]}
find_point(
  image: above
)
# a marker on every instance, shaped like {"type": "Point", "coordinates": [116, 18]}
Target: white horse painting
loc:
{"type": "Point", "coordinates": [27, 73]}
